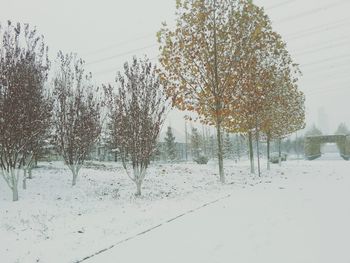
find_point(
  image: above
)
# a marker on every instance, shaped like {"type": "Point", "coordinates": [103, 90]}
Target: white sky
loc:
{"type": "Point", "coordinates": [106, 33]}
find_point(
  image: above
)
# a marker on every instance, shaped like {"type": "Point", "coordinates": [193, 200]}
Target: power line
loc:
{"type": "Point", "coordinates": [284, 3]}
{"type": "Point", "coordinates": [333, 66]}
{"type": "Point", "coordinates": [328, 89]}
{"type": "Point", "coordinates": [318, 29]}
{"type": "Point", "coordinates": [96, 51]}
{"type": "Point", "coordinates": [114, 69]}
{"type": "Point", "coordinates": [312, 11]}
{"type": "Point", "coordinates": [302, 65]}
{"type": "Point", "coordinates": [329, 77]}
{"type": "Point", "coordinates": [131, 51]}
{"type": "Point", "coordinates": [280, 4]}
{"type": "Point", "coordinates": [120, 54]}
{"type": "Point", "coordinates": [306, 35]}
{"type": "Point", "coordinates": [326, 60]}
{"type": "Point", "coordinates": [149, 35]}
{"type": "Point", "coordinates": [323, 70]}
{"type": "Point", "coordinates": [336, 86]}
{"type": "Point", "coordinates": [329, 46]}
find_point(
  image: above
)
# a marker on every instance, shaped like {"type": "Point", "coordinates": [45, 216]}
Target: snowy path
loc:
{"type": "Point", "coordinates": [303, 219]}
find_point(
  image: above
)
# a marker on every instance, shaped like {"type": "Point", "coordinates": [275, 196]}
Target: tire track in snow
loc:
{"type": "Point", "coordinates": [153, 228]}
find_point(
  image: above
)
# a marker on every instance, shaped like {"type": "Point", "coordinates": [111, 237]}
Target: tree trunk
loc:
{"type": "Point", "coordinates": [251, 152]}
{"type": "Point", "coordinates": [220, 156]}
{"type": "Point", "coordinates": [36, 161]}
{"type": "Point", "coordinates": [10, 176]}
{"type": "Point", "coordinates": [268, 153]}
{"type": "Point", "coordinates": [138, 188]}
{"type": "Point", "coordinates": [24, 185]}
{"type": "Point", "coordinates": [238, 148]}
{"type": "Point", "coordinates": [14, 185]}
{"type": "Point", "coordinates": [15, 193]}
{"type": "Point", "coordinates": [218, 103]}
{"type": "Point", "coordinates": [279, 153]}
{"type": "Point", "coordinates": [186, 147]}
{"type": "Point", "coordinates": [296, 145]}
{"type": "Point", "coordinates": [30, 174]}
{"type": "Point", "coordinates": [74, 181]}
{"type": "Point", "coordinates": [257, 152]}
{"type": "Point", "coordinates": [75, 171]}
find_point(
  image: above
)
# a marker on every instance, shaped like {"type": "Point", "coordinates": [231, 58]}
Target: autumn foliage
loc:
{"type": "Point", "coordinates": [224, 61]}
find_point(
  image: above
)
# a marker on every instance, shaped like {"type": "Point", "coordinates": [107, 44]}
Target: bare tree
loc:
{"type": "Point", "coordinates": [137, 113]}
{"type": "Point", "coordinates": [38, 109]}
{"type": "Point", "coordinates": [23, 72]}
{"type": "Point", "coordinates": [77, 115]}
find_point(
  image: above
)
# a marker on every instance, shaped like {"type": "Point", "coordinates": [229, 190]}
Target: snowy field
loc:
{"type": "Point", "coordinates": [299, 212]}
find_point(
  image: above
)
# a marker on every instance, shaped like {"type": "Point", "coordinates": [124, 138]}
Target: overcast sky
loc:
{"type": "Point", "coordinates": [106, 33]}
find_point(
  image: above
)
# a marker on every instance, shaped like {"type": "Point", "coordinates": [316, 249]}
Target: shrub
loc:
{"type": "Point", "coordinates": [201, 159]}
{"type": "Point", "coordinates": [275, 156]}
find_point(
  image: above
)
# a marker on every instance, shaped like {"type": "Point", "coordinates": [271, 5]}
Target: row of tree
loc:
{"type": "Point", "coordinates": [235, 146]}
{"type": "Point", "coordinates": [223, 60]}
{"type": "Point", "coordinates": [67, 110]}
{"type": "Point", "coordinates": [200, 145]}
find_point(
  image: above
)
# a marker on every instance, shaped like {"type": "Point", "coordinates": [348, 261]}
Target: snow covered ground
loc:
{"type": "Point", "coordinates": [299, 212]}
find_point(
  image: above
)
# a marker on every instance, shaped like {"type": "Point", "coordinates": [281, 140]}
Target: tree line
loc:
{"type": "Point", "coordinates": [222, 60]}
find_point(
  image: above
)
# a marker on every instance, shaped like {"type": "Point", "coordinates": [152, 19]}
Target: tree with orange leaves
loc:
{"type": "Point", "coordinates": [259, 43]}
{"type": "Point", "coordinates": [202, 57]}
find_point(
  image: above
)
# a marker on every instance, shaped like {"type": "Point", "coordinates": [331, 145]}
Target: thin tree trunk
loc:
{"type": "Point", "coordinates": [238, 148]}
{"type": "Point", "coordinates": [251, 152]}
{"type": "Point", "coordinates": [36, 161]}
{"type": "Point", "coordinates": [139, 175]}
{"type": "Point", "coordinates": [30, 174]}
{"type": "Point", "coordinates": [74, 181]}
{"type": "Point", "coordinates": [186, 146]}
{"type": "Point", "coordinates": [296, 145]}
{"type": "Point", "coordinates": [220, 155]}
{"type": "Point", "coordinates": [15, 194]}
{"type": "Point", "coordinates": [218, 105]}
{"type": "Point", "coordinates": [24, 185]}
{"type": "Point", "coordinates": [268, 153]}
{"type": "Point", "coordinates": [11, 177]}
{"type": "Point", "coordinates": [279, 153]}
{"type": "Point", "coordinates": [138, 188]}
{"type": "Point", "coordinates": [14, 185]}
{"type": "Point", "coordinates": [75, 171]}
{"type": "Point", "coordinates": [257, 152]}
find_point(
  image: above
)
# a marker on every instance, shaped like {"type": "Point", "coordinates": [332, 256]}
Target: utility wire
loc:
{"type": "Point", "coordinates": [334, 41]}
{"type": "Point", "coordinates": [96, 51]}
{"type": "Point", "coordinates": [326, 60]}
{"type": "Point", "coordinates": [330, 46]}
{"type": "Point", "coordinates": [330, 67]}
{"type": "Point", "coordinates": [322, 28]}
{"type": "Point", "coordinates": [326, 89]}
{"type": "Point", "coordinates": [328, 77]}
{"type": "Point", "coordinates": [280, 4]}
{"type": "Point", "coordinates": [334, 45]}
{"type": "Point", "coordinates": [114, 69]}
{"type": "Point", "coordinates": [312, 11]}
{"type": "Point", "coordinates": [277, 5]}
{"type": "Point", "coordinates": [120, 54]}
